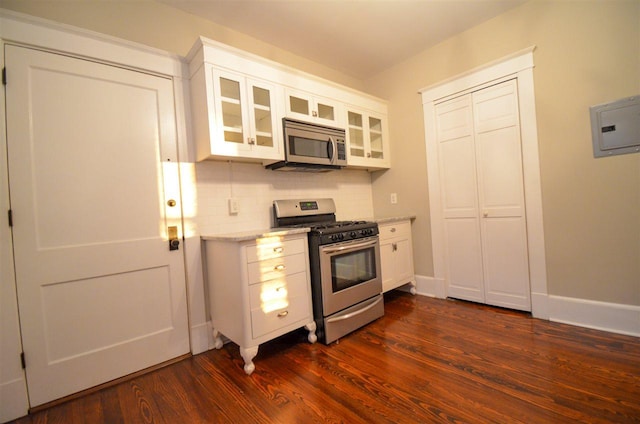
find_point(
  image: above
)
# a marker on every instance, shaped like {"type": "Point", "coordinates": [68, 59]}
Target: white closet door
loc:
{"type": "Point", "coordinates": [501, 196]}
{"type": "Point", "coordinates": [92, 165]}
{"type": "Point", "coordinates": [480, 163]}
{"type": "Point", "coordinates": [456, 149]}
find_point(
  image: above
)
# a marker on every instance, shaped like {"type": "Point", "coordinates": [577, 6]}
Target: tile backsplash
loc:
{"type": "Point", "coordinates": [255, 188]}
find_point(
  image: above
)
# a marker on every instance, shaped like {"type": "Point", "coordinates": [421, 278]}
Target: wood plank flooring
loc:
{"type": "Point", "coordinates": [427, 360]}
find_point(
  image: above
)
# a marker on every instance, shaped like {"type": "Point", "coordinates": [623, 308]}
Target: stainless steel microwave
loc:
{"type": "Point", "coordinates": [311, 147]}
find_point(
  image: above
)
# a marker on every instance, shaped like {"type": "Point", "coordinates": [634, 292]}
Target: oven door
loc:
{"type": "Point", "coordinates": [349, 273]}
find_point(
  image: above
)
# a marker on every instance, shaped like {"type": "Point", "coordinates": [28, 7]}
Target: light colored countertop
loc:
{"type": "Point", "coordinates": [281, 232]}
{"type": "Point", "coordinates": [390, 219]}
{"type": "Point", "coordinates": [255, 234]}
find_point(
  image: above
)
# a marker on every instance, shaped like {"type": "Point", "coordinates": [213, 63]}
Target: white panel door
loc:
{"type": "Point", "coordinates": [482, 191]}
{"type": "Point", "coordinates": [92, 165]}
{"type": "Point", "coordinates": [456, 149]}
{"type": "Point", "coordinates": [501, 196]}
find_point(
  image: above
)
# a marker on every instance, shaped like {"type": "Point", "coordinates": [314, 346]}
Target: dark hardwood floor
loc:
{"type": "Point", "coordinates": [427, 360]}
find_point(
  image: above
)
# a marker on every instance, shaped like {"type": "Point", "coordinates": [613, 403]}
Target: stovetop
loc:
{"type": "Point", "coordinates": [319, 215]}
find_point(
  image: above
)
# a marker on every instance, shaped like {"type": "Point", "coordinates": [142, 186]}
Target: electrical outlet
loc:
{"type": "Point", "coordinates": [233, 206]}
{"type": "Point", "coordinates": [394, 198]}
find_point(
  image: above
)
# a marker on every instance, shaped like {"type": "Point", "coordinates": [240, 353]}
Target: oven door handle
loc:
{"type": "Point", "coordinates": [353, 314]}
{"type": "Point", "coordinates": [369, 243]}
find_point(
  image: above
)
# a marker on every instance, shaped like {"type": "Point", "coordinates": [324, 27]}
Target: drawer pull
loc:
{"type": "Point", "coordinates": [280, 267]}
{"type": "Point", "coordinates": [278, 249]}
{"type": "Point", "coordinates": [283, 314]}
{"type": "Point", "coordinates": [393, 229]}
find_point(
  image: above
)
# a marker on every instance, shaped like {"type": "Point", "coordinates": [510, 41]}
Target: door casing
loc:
{"type": "Point", "coordinates": [519, 66]}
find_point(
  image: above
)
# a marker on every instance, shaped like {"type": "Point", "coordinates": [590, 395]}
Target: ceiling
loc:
{"type": "Point", "coordinates": [360, 38]}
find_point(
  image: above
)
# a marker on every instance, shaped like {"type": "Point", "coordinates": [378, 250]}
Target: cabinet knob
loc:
{"type": "Point", "coordinates": [485, 214]}
{"type": "Point", "coordinates": [280, 267]}
{"type": "Point", "coordinates": [368, 154]}
{"type": "Point", "coordinates": [251, 140]}
{"type": "Point", "coordinates": [314, 113]}
{"type": "Point", "coordinates": [278, 249]}
{"type": "Point", "coordinates": [283, 314]}
{"type": "Point", "coordinates": [393, 229]}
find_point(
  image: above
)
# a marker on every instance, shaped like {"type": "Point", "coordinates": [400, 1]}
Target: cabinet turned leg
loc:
{"type": "Point", "coordinates": [248, 354]}
{"type": "Point", "coordinates": [311, 327]}
{"type": "Point", "coordinates": [412, 288]}
{"type": "Point", "coordinates": [217, 340]}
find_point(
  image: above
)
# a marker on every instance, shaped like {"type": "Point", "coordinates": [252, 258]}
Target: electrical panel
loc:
{"type": "Point", "coordinates": [615, 127]}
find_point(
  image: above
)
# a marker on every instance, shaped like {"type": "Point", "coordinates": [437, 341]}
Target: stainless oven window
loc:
{"type": "Point", "coordinates": [301, 146]}
{"type": "Point", "coordinates": [353, 268]}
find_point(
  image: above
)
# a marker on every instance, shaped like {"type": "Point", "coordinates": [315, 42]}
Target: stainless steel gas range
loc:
{"type": "Point", "coordinates": [344, 259]}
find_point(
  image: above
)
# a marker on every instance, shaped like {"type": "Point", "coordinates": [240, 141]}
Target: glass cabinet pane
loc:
{"type": "Point", "coordinates": [298, 105]}
{"type": "Point", "coordinates": [375, 138]}
{"type": "Point", "coordinates": [356, 134]}
{"type": "Point", "coordinates": [262, 116]}
{"type": "Point", "coordinates": [231, 110]}
{"type": "Point", "coordinates": [326, 112]}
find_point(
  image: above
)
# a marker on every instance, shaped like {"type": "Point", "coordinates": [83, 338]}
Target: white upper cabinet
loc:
{"type": "Point", "coordinates": [238, 101]}
{"type": "Point", "coordinates": [234, 115]}
{"type": "Point", "coordinates": [310, 108]}
{"type": "Point", "coordinates": [367, 139]}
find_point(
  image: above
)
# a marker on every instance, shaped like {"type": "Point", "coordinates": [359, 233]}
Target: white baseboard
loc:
{"type": "Point", "coordinates": [13, 400]}
{"type": "Point", "coordinates": [431, 286]}
{"type": "Point", "coordinates": [613, 317]}
{"type": "Point", "coordinates": [540, 305]}
{"type": "Point", "coordinates": [200, 338]}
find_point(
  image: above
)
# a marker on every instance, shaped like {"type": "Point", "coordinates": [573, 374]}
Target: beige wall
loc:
{"type": "Point", "coordinates": [588, 52]}
{"type": "Point", "coordinates": [158, 25]}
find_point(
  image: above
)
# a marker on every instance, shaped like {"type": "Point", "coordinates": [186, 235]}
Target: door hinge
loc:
{"type": "Point", "coordinates": [10, 216]}
{"type": "Point", "coordinates": [4, 76]}
{"type": "Point", "coordinates": [23, 361]}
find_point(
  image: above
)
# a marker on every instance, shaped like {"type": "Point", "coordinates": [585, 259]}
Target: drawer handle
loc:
{"type": "Point", "coordinates": [280, 267]}
{"type": "Point", "coordinates": [283, 314]}
{"type": "Point", "coordinates": [393, 230]}
{"type": "Point", "coordinates": [278, 249]}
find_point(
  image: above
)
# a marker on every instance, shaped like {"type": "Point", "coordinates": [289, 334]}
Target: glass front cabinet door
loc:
{"type": "Point", "coordinates": [245, 117]}
{"type": "Point", "coordinates": [367, 136]}
{"type": "Point", "coordinates": [309, 108]}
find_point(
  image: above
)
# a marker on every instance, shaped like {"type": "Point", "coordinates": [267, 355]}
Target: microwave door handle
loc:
{"type": "Point", "coordinates": [332, 149]}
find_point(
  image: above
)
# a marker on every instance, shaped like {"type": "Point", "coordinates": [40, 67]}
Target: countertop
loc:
{"type": "Point", "coordinates": [390, 219]}
{"type": "Point", "coordinates": [255, 234]}
{"type": "Point", "coordinates": [281, 232]}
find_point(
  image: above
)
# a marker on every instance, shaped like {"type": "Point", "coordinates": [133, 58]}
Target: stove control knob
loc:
{"type": "Point", "coordinates": [341, 236]}
{"type": "Point", "coordinates": [353, 234]}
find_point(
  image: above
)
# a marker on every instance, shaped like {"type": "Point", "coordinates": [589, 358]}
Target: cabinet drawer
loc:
{"type": "Point", "coordinates": [398, 229]}
{"type": "Point", "coordinates": [278, 303]}
{"type": "Point", "coordinates": [267, 248]}
{"type": "Point", "coordinates": [276, 267]}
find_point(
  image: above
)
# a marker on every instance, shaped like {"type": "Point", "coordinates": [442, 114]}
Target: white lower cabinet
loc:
{"type": "Point", "coordinates": [259, 289]}
{"type": "Point", "coordinates": [396, 254]}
